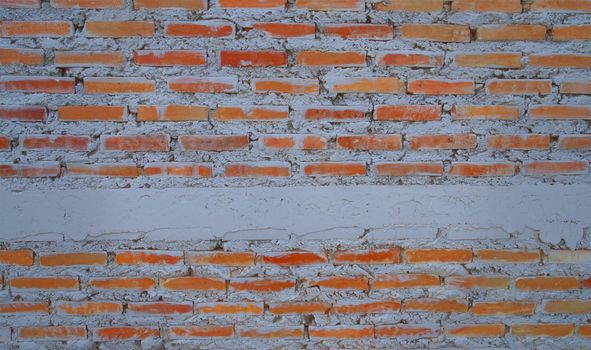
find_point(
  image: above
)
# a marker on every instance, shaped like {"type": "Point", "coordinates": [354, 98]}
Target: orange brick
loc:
{"type": "Point", "coordinates": [159, 308]}
{"type": "Point", "coordinates": [585, 331]}
{"type": "Point", "coordinates": [487, 6]}
{"type": "Point", "coordinates": [478, 282]}
{"type": "Point", "coordinates": [20, 3]}
{"type": "Point", "coordinates": [252, 113]}
{"type": "Point", "coordinates": [342, 332]}
{"type": "Point", "coordinates": [253, 58]}
{"type": "Point", "coordinates": [57, 142]}
{"type": "Point", "coordinates": [359, 31]}
{"type": "Point", "coordinates": [293, 258]}
{"type": "Point", "coordinates": [125, 333]}
{"type": "Point", "coordinates": [418, 59]}
{"type": "Point", "coordinates": [414, 256]}
{"type": "Point", "coordinates": [406, 331]}
{"type": "Point", "coordinates": [452, 141]}
{"type": "Point", "coordinates": [410, 5]}
{"type": "Point", "coordinates": [335, 113]}
{"type": "Point", "coordinates": [542, 330]}
{"type": "Point", "coordinates": [488, 60]}
{"type": "Point", "coordinates": [136, 143]}
{"type": "Point", "coordinates": [482, 169]}
{"type": "Point", "coordinates": [21, 56]}
{"type": "Point", "coordinates": [292, 86]}
{"type": "Point", "coordinates": [200, 29]}
{"type": "Point", "coordinates": [194, 283]}
{"type": "Point", "coordinates": [206, 85]}
{"type": "Point", "coordinates": [571, 32]}
{"type": "Point", "coordinates": [436, 32]}
{"type": "Point", "coordinates": [568, 306]}
{"type": "Point", "coordinates": [89, 308]}
{"type": "Point", "coordinates": [197, 332]}
{"type": "Point", "coordinates": [51, 333]}
{"type": "Point", "coordinates": [299, 308]}
{"type": "Point", "coordinates": [342, 283]}
{"type": "Point", "coordinates": [73, 259]}
{"type": "Point", "coordinates": [560, 61]}
{"type": "Point", "coordinates": [88, 58]}
{"type": "Point", "coordinates": [477, 330]}
{"type": "Point", "coordinates": [103, 169]}
{"type": "Point", "coordinates": [335, 169]}
{"type": "Point", "coordinates": [22, 257]}
{"type": "Point", "coordinates": [36, 29]}
{"type": "Point", "coordinates": [547, 283]}
{"type": "Point", "coordinates": [561, 6]}
{"type": "Point", "coordinates": [44, 283]}
{"type": "Point", "coordinates": [221, 258]}
{"type": "Point", "coordinates": [331, 5]}
{"type": "Point", "coordinates": [371, 307]}
{"type": "Point", "coordinates": [92, 113]}
{"type": "Point", "coordinates": [213, 143]}
{"type": "Point", "coordinates": [369, 85]}
{"type": "Point", "coordinates": [123, 283]}
{"type": "Point", "coordinates": [23, 113]}
{"type": "Point", "coordinates": [331, 58]}
{"type": "Point", "coordinates": [555, 168]}
{"type": "Point", "coordinates": [118, 29]}
{"type": "Point", "coordinates": [520, 142]}
{"type": "Point", "coordinates": [148, 257]}
{"type": "Point", "coordinates": [300, 142]}
{"type": "Point", "coordinates": [272, 332]}
{"type": "Point", "coordinates": [435, 305]}
{"type": "Point", "coordinates": [39, 169]}
{"type": "Point", "coordinates": [519, 87]}
{"type": "Point", "coordinates": [511, 32]}
{"type": "Point", "coordinates": [118, 85]}
{"type": "Point", "coordinates": [171, 113]}
{"type": "Point", "coordinates": [257, 169]}
{"type": "Point", "coordinates": [88, 4]}
{"type": "Point", "coordinates": [576, 87]}
{"type": "Point", "coordinates": [485, 112]}
{"type": "Point", "coordinates": [503, 308]}
{"type": "Point", "coordinates": [287, 30]}
{"type": "Point", "coordinates": [170, 4]}
{"type": "Point", "coordinates": [575, 142]}
{"type": "Point", "coordinates": [164, 58]}
{"type": "Point", "coordinates": [441, 87]}
{"type": "Point", "coordinates": [560, 112]}
{"type": "Point", "coordinates": [409, 169]}
{"type": "Point", "coordinates": [371, 257]}
{"type": "Point", "coordinates": [407, 113]}
{"type": "Point", "coordinates": [261, 285]}
{"type": "Point", "coordinates": [252, 4]}
{"type": "Point", "coordinates": [390, 142]}
{"type": "Point", "coordinates": [18, 308]}
{"type": "Point", "coordinates": [409, 280]}
{"type": "Point", "coordinates": [32, 84]}
{"type": "Point", "coordinates": [230, 308]}
{"type": "Point", "coordinates": [180, 169]}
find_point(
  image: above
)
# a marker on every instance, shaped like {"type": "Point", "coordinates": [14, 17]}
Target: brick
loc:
{"type": "Point", "coordinates": [88, 4]}
{"type": "Point", "coordinates": [441, 87]}
{"type": "Point", "coordinates": [178, 169]}
{"type": "Point", "coordinates": [261, 285]}
{"type": "Point", "coordinates": [435, 305]}
{"type": "Point", "coordinates": [569, 256]}
{"type": "Point", "coordinates": [89, 308]}
{"type": "Point", "coordinates": [221, 258]}
{"type": "Point", "coordinates": [414, 256]}
{"type": "Point", "coordinates": [451, 141]}
{"type": "Point", "coordinates": [21, 257]}
{"type": "Point", "coordinates": [571, 32]}
{"type": "Point", "coordinates": [477, 330]}
{"type": "Point", "coordinates": [409, 280]}
{"type": "Point", "coordinates": [407, 113]}
{"type": "Point", "coordinates": [123, 283]}
{"type": "Point", "coordinates": [271, 332]}
{"type": "Point", "coordinates": [335, 169]}
{"type": "Point", "coordinates": [555, 168]}
{"type": "Point", "coordinates": [118, 85]}
{"type": "Point", "coordinates": [253, 58]}
{"type": "Point", "coordinates": [206, 85]}
{"type": "Point", "coordinates": [213, 143]}
{"type": "Point", "coordinates": [198, 332]}
{"type": "Point", "coordinates": [23, 113]}
{"type": "Point", "coordinates": [575, 142]}
{"type": "Point", "coordinates": [359, 31]}
{"type": "Point", "coordinates": [125, 333]}
{"type": "Point", "coordinates": [367, 85]}
{"type": "Point", "coordinates": [331, 5]}
{"type": "Point", "coordinates": [92, 113]}
{"type": "Point", "coordinates": [341, 332]}
{"type": "Point", "coordinates": [201, 29]}
{"type": "Point", "coordinates": [331, 58]}
{"type": "Point", "coordinates": [39, 169]}
{"type": "Point", "coordinates": [568, 306]}
{"type": "Point", "coordinates": [148, 257]}
{"type": "Point", "coordinates": [55, 142]}
{"type": "Point", "coordinates": [292, 86]}
{"type": "Point", "coordinates": [542, 330]}
{"type": "Point", "coordinates": [51, 333]}
{"type": "Point", "coordinates": [20, 3]}
{"type": "Point", "coordinates": [103, 169]}
{"type": "Point", "coordinates": [21, 56]}
{"type": "Point", "coordinates": [118, 29]}
{"type": "Point", "coordinates": [584, 331]}
{"type": "Point", "coordinates": [436, 32]}
{"type": "Point", "coordinates": [478, 282]}
{"type": "Point", "coordinates": [365, 307]}
{"type": "Point", "coordinates": [172, 113]}
{"type": "Point", "coordinates": [299, 142]}
{"type": "Point", "coordinates": [159, 308]}
{"type": "Point", "coordinates": [487, 6]}
{"type": "Point", "coordinates": [410, 5]}
{"type": "Point", "coordinates": [44, 283]}
{"type": "Point", "coordinates": [136, 143]}
{"type": "Point", "coordinates": [409, 169]}
{"type": "Point", "coordinates": [502, 60]}
{"type": "Point", "coordinates": [560, 61]}
{"type": "Point", "coordinates": [335, 113]}
{"type": "Point", "coordinates": [252, 4]}
{"type": "Point", "coordinates": [561, 6]}
{"type": "Point", "coordinates": [586, 283]}
{"type": "Point", "coordinates": [406, 331]}
{"type": "Point", "coordinates": [293, 258]}
{"type": "Point", "coordinates": [370, 257]}
{"type": "Point", "coordinates": [287, 30]}
{"type": "Point", "coordinates": [519, 142]}
{"type": "Point", "coordinates": [341, 283]}
{"type": "Point", "coordinates": [170, 4]}
{"type": "Point", "coordinates": [576, 87]}
{"type": "Point", "coordinates": [511, 32]}
{"type": "Point", "coordinates": [22, 308]}
{"type": "Point", "coordinates": [257, 169]}
{"type": "Point", "coordinates": [482, 169]}
{"type": "Point", "coordinates": [547, 283]}
{"type": "Point", "coordinates": [73, 259]}
{"type": "Point", "coordinates": [299, 308]}
{"type": "Point", "coordinates": [193, 283]}
{"type": "Point", "coordinates": [36, 29]}
{"type": "Point", "coordinates": [560, 112]}
{"type": "Point", "coordinates": [37, 84]}
{"type": "Point", "coordinates": [252, 113]}
{"type": "Point", "coordinates": [390, 142]}
{"type": "Point", "coordinates": [519, 87]}
{"type": "Point", "coordinates": [417, 59]}
{"type": "Point", "coordinates": [223, 309]}
{"type": "Point", "coordinates": [4, 143]}
{"type": "Point", "coordinates": [88, 59]}
{"type": "Point", "coordinates": [168, 58]}
{"type": "Point", "coordinates": [503, 308]}
{"type": "Point", "coordinates": [485, 112]}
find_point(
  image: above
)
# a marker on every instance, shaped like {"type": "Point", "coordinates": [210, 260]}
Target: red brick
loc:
{"type": "Point", "coordinates": [335, 113]}
{"type": "Point", "coordinates": [39, 169]}
{"type": "Point", "coordinates": [148, 257]}
{"type": "Point", "coordinates": [159, 308]}
{"type": "Point", "coordinates": [51, 333]}
{"type": "Point", "coordinates": [198, 332]}
{"type": "Point", "coordinates": [193, 283]}
{"type": "Point", "coordinates": [88, 58]}
{"type": "Point", "coordinates": [200, 29]}
{"type": "Point", "coordinates": [478, 282]}
{"type": "Point", "coordinates": [359, 31]}
{"type": "Point", "coordinates": [287, 30]}
{"type": "Point", "coordinates": [482, 169]}
{"type": "Point", "coordinates": [571, 32]}
{"type": "Point", "coordinates": [485, 112]}
{"type": "Point", "coordinates": [418, 59]}
{"type": "Point", "coordinates": [509, 256]}
{"type": "Point", "coordinates": [21, 56]}
{"type": "Point", "coordinates": [88, 4]}
{"type": "Point", "coordinates": [180, 169]}
{"type": "Point", "coordinates": [409, 280]}
{"type": "Point", "coordinates": [561, 6]}
{"type": "Point", "coordinates": [342, 332]}
{"type": "Point", "coordinates": [123, 283]}
{"type": "Point", "coordinates": [414, 256]}
{"type": "Point", "coordinates": [125, 333]}
{"type": "Point", "coordinates": [487, 6]}
{"type": "Point", "coordinates": [89, 308]}
{"type": "Point", "coordinates": [365, 307]}
{"type": "Point", "coordinates": [574, 142]}
{"type": "Point", "coordinates": [213, 143]}
{"type": "Point", "coordinates": [555, 168]}
{"type": "Point", "coordinates": [257, 169]}
{"type": "Point", "coordinates": [519, 87]}
{"type": "Point", "coordinates": [341, 283]}
{"type": "Point", "coordinates": [368, 85]}
{"type": "Point", "coordinates": [92, 113]}
{"type": "Point", "coordinates": [272, 332]}
{"type": "Point", "coordinates": [73, 259]}
{"type": "Point", "coordinates": [171, 113]}
{"type": "Point", "coordinates": [542, 330]}
{"type": "Point", "coordinates": [389, 142]}
{"type": "Point", "coordinates": [223, 309]}
{"type": "Point", "coordinates": [335, 169]}
{"type": "Point", "coordinates": [292, 86]}
{"type": "Point", "coordinates": [331, 5]}
{"type": "Point", "coordinates": [36, 29]}
{"type": "Point", "coordinates": [477, 330]}
{"type": "Point", "coordinates": [409, 169]}
{"type": "Point", "coordinates": [206, 85]}
{"type": "Point", "coordinates": [103, 169]}
{"type": "Point", "coordinates": [293, 258]}
{"type": "Point", "coordinates": [576, 87]}
{"type": "Point", "coordinates": [511, 32]}
{"type": "Point", "coordinates": [452, 141]}
{"type": "Point", "coordinates": [44, 283]}
{"type": "Point", "coordinates": [435, 305]}
{"type": "Point", "coordinates": [136, 143]}
{"type": "Point", "coordinates": [503, 308]}
{"type": "Point", "coordinates": [371, 257]}
{"type": "Point", "coordinates": [489, 60]}
{"type": "Point", "coordinates": [118, 29]}
{"type": "Point", "coordinates": [331, 58]}
{"type": "Point", "coordinates": [288, 141]}
{"type": "Point", "coordinates": [568, 306]}
{"type": "Point", "coordinates": [252, 4]}
{"type": "Point", "coordinates": [22, 308]}
{"type": "Point", "coordinates": [560, 112]}
{"type": "Point", "coordinates": [38, 84]}
{"type": "Point", "coordinates": [253, 58]}
{"type": "Point", "coordinates": [410, 5]}
{"type": "Point", "coordinates": [20, 3]}
{"type": "Point", "coordinates": [441, 87]}
{"type": "Point", "coordinates": [406, 331]}
{"type": "Point", "coordinates": [252, 113]}
{"type": "Point", "coordinates": [4, 143]}
{"type": "Point", "coordinates": [261, 285]}
{"type": "Point", "coordinates": [436, 32]}
{"type": "Point", "coordinates": [164, 58]}
{"type": "Point", "coordinates": [221, 258]}
{"type": "Point", "coordinates": [56, 142]}
{"type": "Point", "coordinates": [22, 257]}
{"type": "Point", "coordinates": [170, 4]}
{"type": "Point", "coordinates": [407, 113]}
{"type": "Point", "coordinates": [519, 142]}
{"type": "Point", "coordinates": [560, 61]}
{"type": "Point", "coordinates": [547, 283]}
{"type": "Point", "coordinates": [118, 85]}
{"type": "Point", "coordinates": [23, 113]}
{"type": "Point", "coordinates": [299, 308]}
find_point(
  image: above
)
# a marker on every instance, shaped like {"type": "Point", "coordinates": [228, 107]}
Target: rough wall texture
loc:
{"type": "Point", "coordinates": [145, 94]}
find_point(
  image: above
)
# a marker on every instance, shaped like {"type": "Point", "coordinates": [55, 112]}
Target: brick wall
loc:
{"type": "Point", "coordinates": [130, 94]}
